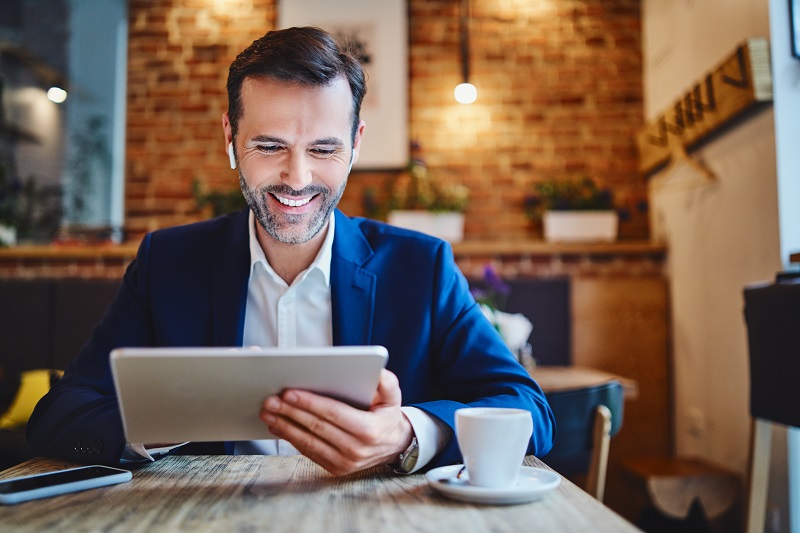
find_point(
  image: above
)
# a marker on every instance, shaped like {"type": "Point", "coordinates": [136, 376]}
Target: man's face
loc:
{"type": "Point", "coordinates": [293, 151]}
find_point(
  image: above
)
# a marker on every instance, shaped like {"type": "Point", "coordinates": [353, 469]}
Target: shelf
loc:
{"type": "Point", "coordinates": [541, 248]}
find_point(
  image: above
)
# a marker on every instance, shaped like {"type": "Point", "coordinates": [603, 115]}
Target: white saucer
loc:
{"type": "Point", "coordinates": [533, 483]}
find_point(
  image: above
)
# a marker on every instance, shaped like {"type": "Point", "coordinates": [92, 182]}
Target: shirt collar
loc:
{"type": "Point", "coordinates": [322, 261]}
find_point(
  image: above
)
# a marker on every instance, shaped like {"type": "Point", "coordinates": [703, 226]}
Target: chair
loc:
{"type": "Point", "coordinates": [586, 419]}
{"type": "Point", "coordinates": [772, 314]}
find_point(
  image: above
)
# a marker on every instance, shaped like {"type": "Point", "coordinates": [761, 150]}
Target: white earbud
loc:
{"type": "Point", "coordinates": [231, 156]}
{"type": "Point", "coordinates": [352, 157]}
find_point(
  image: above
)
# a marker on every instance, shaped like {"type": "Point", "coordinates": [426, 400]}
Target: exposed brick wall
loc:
{"type": "Point", "coordinates": [560, 94]}
{"type": "Point", "coordinates": [178, 57]}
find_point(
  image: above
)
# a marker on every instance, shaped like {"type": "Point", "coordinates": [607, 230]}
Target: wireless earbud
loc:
{"type": "Point", "coordinates": [231, 156]}
{"type": "Point", "coordinates": [352, 157]}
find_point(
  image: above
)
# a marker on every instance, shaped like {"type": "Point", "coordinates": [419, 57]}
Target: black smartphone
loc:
{"type": "Point", "coordinates": [24, 488]}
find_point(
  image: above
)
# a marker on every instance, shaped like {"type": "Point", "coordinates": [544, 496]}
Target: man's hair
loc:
{"type": "Point", "coordinates": [307, 56]}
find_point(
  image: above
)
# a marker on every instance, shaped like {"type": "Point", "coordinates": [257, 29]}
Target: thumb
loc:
{"type": "Point", "coordinates": [388, 393]}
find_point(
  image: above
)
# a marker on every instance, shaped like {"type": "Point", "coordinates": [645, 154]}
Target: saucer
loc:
{"type": "Point", "coordinates": [533, 484]}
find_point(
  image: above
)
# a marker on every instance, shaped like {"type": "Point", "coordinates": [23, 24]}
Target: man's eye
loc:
{"type": "Point", "coordinates": [323, 151]}
{"type": "Point", "coordinates": [269, 148]}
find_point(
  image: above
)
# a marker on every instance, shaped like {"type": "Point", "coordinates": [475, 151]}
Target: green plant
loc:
{"type": "Point", "coordinates": [10, 191]}
{"type": "Point", "coordinates": [567, 195]}
{"type": "Point", "coordinates": [221, 202]}
{"type": "Point", "coordinates": [34, 211]}
{"type": "Point", "coordinates": [419, 188]}
{"type": "Point", "coordinates": [90, 161]}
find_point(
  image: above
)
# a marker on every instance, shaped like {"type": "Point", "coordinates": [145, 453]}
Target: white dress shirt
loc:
{"type": "Point", "coordinates": [299, 314]}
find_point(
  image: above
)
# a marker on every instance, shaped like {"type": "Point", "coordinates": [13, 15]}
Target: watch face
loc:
{"type": "Point", "coordinates": [410, 459]}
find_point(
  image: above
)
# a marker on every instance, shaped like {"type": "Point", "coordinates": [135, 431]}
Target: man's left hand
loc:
{"type": "Point", "coordinates": [338, 437]}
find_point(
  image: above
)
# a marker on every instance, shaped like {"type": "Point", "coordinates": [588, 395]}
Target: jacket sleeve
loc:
{"type": "Point", "coordinates": [79, 419]}
{"type": "Point", "coordinates": [464, 362]}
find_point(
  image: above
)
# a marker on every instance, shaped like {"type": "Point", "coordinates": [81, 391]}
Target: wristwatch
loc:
{"type": "Point", "coordinates": [407, 459]}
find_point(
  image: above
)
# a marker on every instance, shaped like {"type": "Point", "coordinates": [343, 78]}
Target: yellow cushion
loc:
{"type": "Point", "coordinates": [33, 385]}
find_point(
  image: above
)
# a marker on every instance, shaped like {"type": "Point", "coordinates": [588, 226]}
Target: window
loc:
{"type": "Point", "coordinates": [62, 164]}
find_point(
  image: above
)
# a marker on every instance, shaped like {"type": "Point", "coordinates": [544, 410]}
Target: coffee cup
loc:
{"type": "Point", "coordinates": [493, 442]}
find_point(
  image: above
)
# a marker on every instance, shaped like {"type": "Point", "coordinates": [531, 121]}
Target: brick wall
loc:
{"type": "Point", "coordinates": [560, 95]}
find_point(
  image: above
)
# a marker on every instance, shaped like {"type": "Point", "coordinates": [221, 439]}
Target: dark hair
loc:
{"type": "Point", "coordinates": [308, 56]}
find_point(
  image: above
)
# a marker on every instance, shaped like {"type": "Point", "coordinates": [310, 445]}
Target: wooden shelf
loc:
{"type": "Point", "coordinates": [542, 248]}
{"type": "Point", "coordinates": [70, 251]}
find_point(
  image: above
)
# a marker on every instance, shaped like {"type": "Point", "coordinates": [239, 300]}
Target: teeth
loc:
{"type": "Point", "coordinates": [292, 203]}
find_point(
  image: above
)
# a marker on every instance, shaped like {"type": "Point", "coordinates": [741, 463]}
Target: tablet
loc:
{"type": "Point", "coordinates": [215, 394]}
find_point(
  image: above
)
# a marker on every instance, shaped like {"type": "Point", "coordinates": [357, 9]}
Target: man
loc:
{"type": "Point", "coordinates": [292, 270]}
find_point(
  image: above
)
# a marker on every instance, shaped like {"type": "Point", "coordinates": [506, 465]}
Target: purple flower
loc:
{"type": "Point", "coordinates": [494, 281]}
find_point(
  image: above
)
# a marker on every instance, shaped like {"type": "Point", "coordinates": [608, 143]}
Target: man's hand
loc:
{"type": "Point", "coordinates": [338, 437]}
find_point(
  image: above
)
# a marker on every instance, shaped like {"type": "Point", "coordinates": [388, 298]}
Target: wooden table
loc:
{"type": "Point", "coordinates": [563, 378]}
{"type": "Point", "coordinates": [268, 493]}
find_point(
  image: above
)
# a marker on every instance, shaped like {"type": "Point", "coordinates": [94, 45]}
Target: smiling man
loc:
{"type": "Point", "coordinates": [292, 270]}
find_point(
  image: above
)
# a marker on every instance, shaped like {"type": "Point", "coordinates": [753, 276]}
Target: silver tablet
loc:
{"type": "Point", "coordinates": [215, 394]}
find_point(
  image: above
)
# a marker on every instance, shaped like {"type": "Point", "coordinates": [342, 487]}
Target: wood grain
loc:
{"type": "Point", "coordinates": [259, 493]}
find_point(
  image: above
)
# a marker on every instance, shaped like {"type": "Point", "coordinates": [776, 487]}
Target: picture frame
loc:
{"type": "Point", "coordinates": [380, 32]}
{"type": "Point", "coordinates": [794, 27]}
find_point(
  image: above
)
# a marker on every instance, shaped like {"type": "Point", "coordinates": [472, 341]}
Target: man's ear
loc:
{"type": "Point", "coordinates": [357, 142]}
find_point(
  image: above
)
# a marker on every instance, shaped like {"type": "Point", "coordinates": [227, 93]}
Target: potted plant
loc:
{"type": "Point", "coordinates": [28, 212]}
{"type": "Point", "coordinates": [423, 202]}
{"type": "Point", "coordinates": [573, 210]}
{"type": "Point", "coordinates": [10, 190]}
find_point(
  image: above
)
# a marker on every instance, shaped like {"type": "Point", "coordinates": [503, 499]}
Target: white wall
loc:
{"type": "Point", "coordinates": [724, 234]}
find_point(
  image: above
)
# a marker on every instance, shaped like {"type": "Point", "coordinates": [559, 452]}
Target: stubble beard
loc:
{"type": "Point", "coordinates": [290, 229]}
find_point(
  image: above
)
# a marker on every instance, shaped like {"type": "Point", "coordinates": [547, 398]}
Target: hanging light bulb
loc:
{"type": "Point", "coordinates": [465, 93]}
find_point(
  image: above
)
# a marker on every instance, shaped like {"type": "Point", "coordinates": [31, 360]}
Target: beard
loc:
{"type": "Point", "coordinates": [290, 229]}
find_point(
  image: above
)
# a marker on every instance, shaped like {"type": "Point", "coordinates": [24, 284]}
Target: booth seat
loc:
{"type": "Point", "coordinates": [43, 324]}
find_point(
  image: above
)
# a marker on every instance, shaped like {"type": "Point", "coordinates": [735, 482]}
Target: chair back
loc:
{"type": "Point", "coordinates": [575, 412]}
{"type": "Point", "coordinates": [772, 314]}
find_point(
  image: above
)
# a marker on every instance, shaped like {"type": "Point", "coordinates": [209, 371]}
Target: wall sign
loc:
{"type": "Point", "coordinates": [740, 81]}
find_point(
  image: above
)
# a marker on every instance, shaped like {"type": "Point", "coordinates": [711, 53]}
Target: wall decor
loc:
{"type": "Point", "coordinates": [741, 80]}
{"type": "Point", "coordinates": [378, 31]}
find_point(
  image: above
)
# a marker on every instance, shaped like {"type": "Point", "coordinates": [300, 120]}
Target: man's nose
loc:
{"type": "Point", "coordinates": [297, 173]}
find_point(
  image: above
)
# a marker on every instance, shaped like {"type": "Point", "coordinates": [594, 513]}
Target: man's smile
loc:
{"type": "Point", "coordinates": [293, 202]}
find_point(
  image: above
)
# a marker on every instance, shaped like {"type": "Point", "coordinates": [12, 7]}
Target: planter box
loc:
{"type": "Point", "coordinates": [580, 226]}
{"type": "Point", "coordinates": [448, 225]}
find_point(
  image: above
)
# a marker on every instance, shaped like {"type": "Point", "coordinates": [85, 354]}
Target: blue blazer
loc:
{"type": "Point", "coordinates": [392, 287]}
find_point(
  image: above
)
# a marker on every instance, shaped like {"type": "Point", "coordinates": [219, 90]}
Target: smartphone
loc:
{"type": "Point", "coordinates": [24, 488]}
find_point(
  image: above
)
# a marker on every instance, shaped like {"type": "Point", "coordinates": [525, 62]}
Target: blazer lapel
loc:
{"type": "Point", "coordinates": [230, 272]}
{"type": "Point", "coordinates": [352, 286]}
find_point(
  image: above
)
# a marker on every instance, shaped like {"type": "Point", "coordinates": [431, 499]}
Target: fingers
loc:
{"type": "Point", "coordinates": [313, 425]}
{"type": "Point", "coordinates": [341, 438]}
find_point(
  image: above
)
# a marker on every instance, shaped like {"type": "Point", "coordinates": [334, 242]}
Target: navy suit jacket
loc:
{"type": "Point", "coordinates": [392, 287]}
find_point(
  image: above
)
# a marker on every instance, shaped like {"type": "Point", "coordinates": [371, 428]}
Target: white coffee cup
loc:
{"type": "Point", "coordinates": [493, 441]}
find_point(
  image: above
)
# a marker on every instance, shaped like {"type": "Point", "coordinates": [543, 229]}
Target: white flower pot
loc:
{"type": "Point", "coordinates": [580, 226]}
{"type": "Point", "coordinates": [447, 225]}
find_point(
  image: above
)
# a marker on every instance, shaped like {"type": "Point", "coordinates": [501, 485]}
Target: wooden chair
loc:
{"type": "Point", "coordinates": [772, 314]}
{"type": "Point", "coordinates": [586, 419]}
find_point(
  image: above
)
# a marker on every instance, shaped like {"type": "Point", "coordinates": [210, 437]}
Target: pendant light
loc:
{"type": "Point", "coordinates": [465, 92]}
